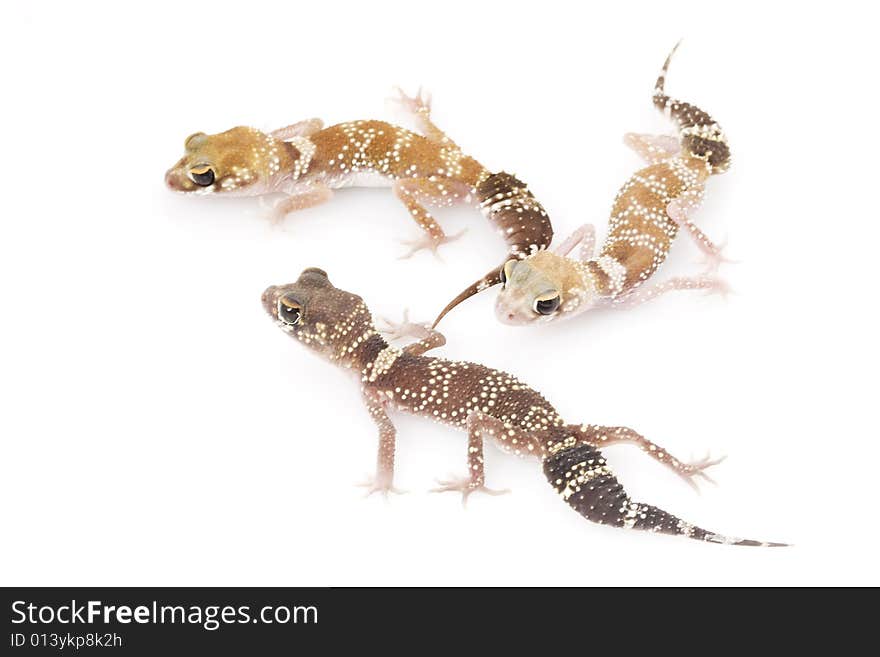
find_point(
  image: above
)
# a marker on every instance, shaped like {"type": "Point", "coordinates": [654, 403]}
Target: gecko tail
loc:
{"type": "Point", "coordinates": [581, 475]}
{"type": "Point", "coordinates": [522, 221]}
{"type": "Point", "coordinates": [490, 279]}
{"type": "Point", "coordinates": [699, 133]}
{"type": "Point", "coordinates": [661, 79]}
{"type": "Point", "coordinates": [510, 206]}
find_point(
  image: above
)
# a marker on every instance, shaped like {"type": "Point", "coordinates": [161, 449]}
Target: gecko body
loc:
{"type": "Point", "coordinates": [648, 212]}
{"type": "Point", "coordinates": [306, 162]}
{"type": "Point", "coordinates": [483, 401]}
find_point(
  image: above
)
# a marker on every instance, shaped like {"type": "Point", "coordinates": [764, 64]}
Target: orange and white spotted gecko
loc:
{"type": "Point", "coordinates": [485, 402]}
{"type": "Point", "coordinates": [646, 216]}
{"type": "Point", "coordinates": [307, 162]}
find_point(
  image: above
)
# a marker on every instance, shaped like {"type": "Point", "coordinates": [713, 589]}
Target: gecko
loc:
{"type": "Point", "coordinates": [482, 401]}
{"type": "Point", "coordinates": [306, 162]}
{"type": "Point", "coordinates": [647, 214]}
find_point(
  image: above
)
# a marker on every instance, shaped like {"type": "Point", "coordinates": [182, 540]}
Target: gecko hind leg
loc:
{"type": "Point", "coordinates": [419, 108]}
{"type": "Point", "coordinates": [585, 236]}
{"type": "Point", "coordinates": [508, 437]}
{"type": "Point", "coordinates": [440, 192]}
{"type": "Point", "coordinates": [653, 148]}
{"type": "Point", "coordinates": [382, 481]}
{"type": "Point", "coordinates": [680, 211]}
{"type": "Point", "coordinates": [300, 129]}
{"type": "Point", "coordinates": [600, 436]}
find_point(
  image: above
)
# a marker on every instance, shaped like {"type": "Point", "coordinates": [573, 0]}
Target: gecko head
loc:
{"type": "Point", "coordinates": [319, 315]}
{"type": "Point", "coordinates": [239, 162]}
{"type": "Point", "coordinates": [542, 287]}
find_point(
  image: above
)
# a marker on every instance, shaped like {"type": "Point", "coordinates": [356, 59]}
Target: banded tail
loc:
{"type": "Point", "coordinates": [583, 478]}
{"type": "Point", "coordinates": [508, 204]}
{"type": "Point", "coordinates": [700, 134]}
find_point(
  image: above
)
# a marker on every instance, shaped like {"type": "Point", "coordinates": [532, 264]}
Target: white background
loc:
{"type": "Point", "coordinates": [158, 429]}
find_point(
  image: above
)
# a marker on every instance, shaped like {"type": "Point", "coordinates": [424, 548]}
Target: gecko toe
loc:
{"type": "Point", "coordinates": [466, 487]}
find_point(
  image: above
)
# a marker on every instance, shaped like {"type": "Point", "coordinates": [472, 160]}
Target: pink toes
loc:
{"type": "Point", "coordinates": [714, 258]}
{"type": "Point", "coordinates": [691, 471]}
{"type": "Point", "coordinates": [404, 329]}
{"type": "Point", "coordinates": [466, 487]}
{"type": "Point", "coordinates": [430, 243]}
{"type": "Point", "coordinates": [381, 485]}
{"type": "Point", "coordinates": [420, 103]}
{"type": "Point", "coordinates": [719, 286]}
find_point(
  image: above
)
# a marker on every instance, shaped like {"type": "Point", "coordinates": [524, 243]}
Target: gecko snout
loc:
{"type": "Point", "coordinates": [268, 299]}
{"type": "Point", "coordinates": [509, 311]}
{"type": "Point", "coordinates": [177, 180]}
{"type": "Point", "coordinates": [172, 182]}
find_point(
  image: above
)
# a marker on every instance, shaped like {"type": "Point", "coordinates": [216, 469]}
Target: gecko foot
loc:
{"type": "Point", "coordinates": [714, 259]}
{"type": "Point", "coordinates": [690, 471]}
{"type": "Point", "coordinates": [719, 286]}
{"type": "Point", "coordinates": [380, 485]}
{"type": "Point", "coordinates": [465, 486]}
{"type": "Point", "coordinates": [415, 105]}
{"type": "Point", "coordinates": [430, 243]}
{"type": "Point", "coordinates": [404, 329]}
{"type": "Point", "coordinates": [652, 148]}
{"type": "Point", "coordinates": [272, 212]}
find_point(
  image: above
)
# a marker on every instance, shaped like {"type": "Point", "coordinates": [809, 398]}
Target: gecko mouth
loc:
{"type": "Point", "coordinates": [177, 182]}
{"type": "Point", "coordinates": [508, 314]}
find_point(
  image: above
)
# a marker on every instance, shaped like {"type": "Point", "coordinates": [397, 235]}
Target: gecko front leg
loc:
{"type": "Point", "coordinates": [680, 210]}
{"type": "Point", "coordinates": [428, 337]}
{"type": "Point", "coordinates": [300, 129]}
{"type": "Point", "coordinates": [310, 197]}
{"type": "Point", "coordinates": [707, 282]}
{"type": "Point", "coordinates": [383, 480]}
{"type": "Point", "coordinates": [653, 148]}
{"type": "Point", "coordinates": [440, 192]}
{"type": "Point", "coordinates": [600, 436]}
{"type": "Point", "coordinates": [585, 236]}
{"type": "Point", "coordinates": [419, 108]}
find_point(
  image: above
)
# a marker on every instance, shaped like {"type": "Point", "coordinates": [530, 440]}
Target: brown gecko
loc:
{"type": "Point", "coordinates": [646, 216]}
{"type": "Point", "coordinates": [480, 400]}
{"type": "Point", "coordinates": [306, 162]}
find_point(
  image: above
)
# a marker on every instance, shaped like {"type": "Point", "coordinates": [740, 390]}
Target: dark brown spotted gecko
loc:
{"type": "Point", "coordinates": [306, 162]}
{"type": "Point", "coordinates": [483, 401]}
{"type": "Point", "coordinates": [646, 216]}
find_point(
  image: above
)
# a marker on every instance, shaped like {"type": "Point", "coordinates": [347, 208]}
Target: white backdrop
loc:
{"type": "Point", "coordinates": [158, 429]}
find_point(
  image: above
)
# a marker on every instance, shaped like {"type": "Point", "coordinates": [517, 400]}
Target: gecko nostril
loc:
{"type": "Point", "coordinates": [510, 316]}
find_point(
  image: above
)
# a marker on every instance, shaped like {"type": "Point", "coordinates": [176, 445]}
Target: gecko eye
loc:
{"type": "Point", "coordinates": [505, 272]}
{"type": "Point", "coordinates": [202, 175]}
{"type": "Point", "coordinates": [547, 304]}
{"type": "Point", "coordinates": [289, 311]}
